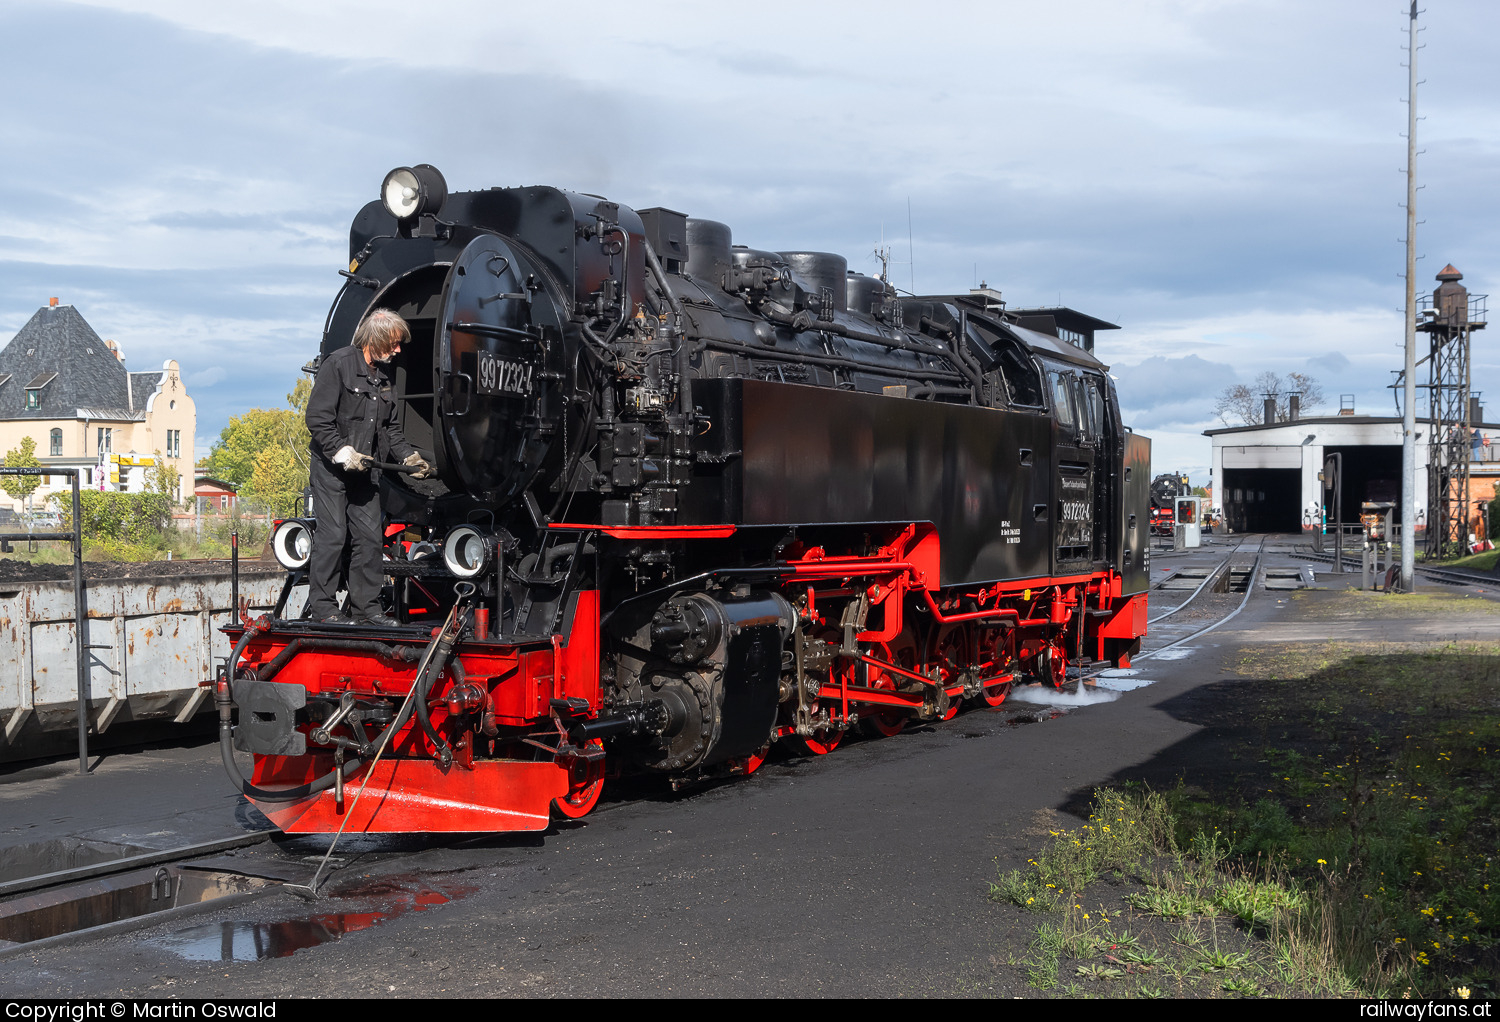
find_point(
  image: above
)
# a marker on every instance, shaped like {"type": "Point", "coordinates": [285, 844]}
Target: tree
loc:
{"type": "Point", "coordinates": [299, 441]}
{"type": "Point", "coordinates": [277, 481]}
{"type": "Point", "coordinates": [242, 442]}
{"type": "Point", "coordinates": [1240, 405]}
{"type": "Point", "coordinates": [21, 487]}
{"type": "Point", "coordinates": [163, 478]}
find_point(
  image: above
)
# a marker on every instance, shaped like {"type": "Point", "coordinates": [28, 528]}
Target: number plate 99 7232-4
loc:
{"type": "Point", "coordinates": [503, 376]}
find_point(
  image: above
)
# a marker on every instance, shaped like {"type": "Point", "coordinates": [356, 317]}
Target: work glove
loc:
{"type": "Point", "coordinates": [423, 470]}
{"type": "Point", "coordinates": [352, 461]}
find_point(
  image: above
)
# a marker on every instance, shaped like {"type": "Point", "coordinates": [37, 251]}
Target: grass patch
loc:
{"type": "Point", "coordinates": [1473, 562]}
{"type": "Point", "coordinates": [1352, 853]}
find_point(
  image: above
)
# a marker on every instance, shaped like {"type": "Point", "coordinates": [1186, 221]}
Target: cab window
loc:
{"type": "Point", "coordinates": [1062, 397]}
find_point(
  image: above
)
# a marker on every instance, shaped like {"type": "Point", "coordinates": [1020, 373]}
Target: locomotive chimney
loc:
{"type": "Point", "coordinates": [1270, 413]}
{"type": "Point", "coordinates": [1294, 407]}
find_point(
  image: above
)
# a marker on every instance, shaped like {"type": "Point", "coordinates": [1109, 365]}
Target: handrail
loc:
{"type": "Point", "coordinates": [80, 600]}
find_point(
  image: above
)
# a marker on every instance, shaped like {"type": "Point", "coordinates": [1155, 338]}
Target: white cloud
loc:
{"type": "Point", "coordinates": [206, 378]}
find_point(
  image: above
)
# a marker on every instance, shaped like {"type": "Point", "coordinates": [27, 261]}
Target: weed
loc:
{"type": "Point", "coordinates": [1188, 936]}
{"type": "Point", "coordinates": [1026, 890]}
{"type": "Point", "coordinates": [1047, 947]}
{"type": "Point", "coordinates": [1242, 987]}
{"type": "Point", "coordinates": [1222, 961]}
{"type": "Point", "coordinates": [1170, 904]}
{"type": "Point", "coordinates": [1042, 977]}
{"type": "Point", "coordinates": [1257, 903]}
{"type": "Point", "coordinates": [1139, 956]}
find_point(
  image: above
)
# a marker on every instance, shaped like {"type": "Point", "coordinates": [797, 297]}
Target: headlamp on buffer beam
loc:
{"type": "Point", "coordinates": [409, 192]}
{"type": "Point", "coordinates": [467, 552]}
{"type": "Point", "coordinates": [292, 543]}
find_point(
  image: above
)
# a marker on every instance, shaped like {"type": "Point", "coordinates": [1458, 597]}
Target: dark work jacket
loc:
{"type": "Point", "coordinates": [353, 404]}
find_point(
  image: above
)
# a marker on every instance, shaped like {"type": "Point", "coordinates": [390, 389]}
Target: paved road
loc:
{"type": "Point", "coordinates": [863, 873]}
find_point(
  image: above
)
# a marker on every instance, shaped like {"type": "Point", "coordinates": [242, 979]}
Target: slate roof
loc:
{"type": "Point", "coordinates": [86, 373]}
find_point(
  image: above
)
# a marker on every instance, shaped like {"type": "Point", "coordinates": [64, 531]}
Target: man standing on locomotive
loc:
{"type": "Point", "coordinates": [351, 415]}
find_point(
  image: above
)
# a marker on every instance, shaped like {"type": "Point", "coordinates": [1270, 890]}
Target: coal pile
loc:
{"type": "Point", "coordinates": [16, 570]}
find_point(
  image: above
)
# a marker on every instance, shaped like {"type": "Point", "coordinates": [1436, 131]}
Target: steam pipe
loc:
{"type": "Point", "coordinates": [683, 365]}
{"type": "Point", "coordinates": [834, 360]}
{"type": "Point", "coordinates": [931, 390]}
{"type": "Point", "coordinates": [797, 322]}
{"type": "Point", "coordinates": [978, 615]}
{"type": "Point", "coordinates": [271, 668]}
{"type": "Point", "coordinates": [624, 277]}
{"type": "Point", "coordinates": [966, 357]}
{"type": "Point", "coordinates": [551, 556]}
{"type": "Point", "coordinates": [661, 280]}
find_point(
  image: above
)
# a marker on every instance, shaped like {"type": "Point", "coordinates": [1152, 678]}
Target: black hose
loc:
{"type": "Point", "coordinates": [226, 720]}
{"type": "Point", "coordinates": [553, 553]}
{"type": "Point", "coordinates": [226, 747]}
{"type": "Point", "coordinates": [897, 341]}
{"type": "Point", "coordinates": [301, 791]}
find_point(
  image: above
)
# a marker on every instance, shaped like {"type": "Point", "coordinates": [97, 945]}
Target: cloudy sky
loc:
{"type": "Point", "coordinates": [1220, 178]}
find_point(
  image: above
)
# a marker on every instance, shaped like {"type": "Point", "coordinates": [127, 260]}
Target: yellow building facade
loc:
{"type": "Point", "coordinates": [70, 391]}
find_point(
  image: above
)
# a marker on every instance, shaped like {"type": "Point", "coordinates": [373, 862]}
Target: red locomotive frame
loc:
{"type": "Point", "coordinates": [923, 651]}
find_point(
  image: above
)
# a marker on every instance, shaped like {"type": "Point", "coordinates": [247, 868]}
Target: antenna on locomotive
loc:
{"type": "Point", "coordinates": [883, 253]}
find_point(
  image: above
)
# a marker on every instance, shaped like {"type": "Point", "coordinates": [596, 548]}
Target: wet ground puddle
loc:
{"type": "Point", "coordinates": [243, 941]}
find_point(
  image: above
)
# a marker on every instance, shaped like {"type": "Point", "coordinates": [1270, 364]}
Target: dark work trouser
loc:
{"type": "Point", "coordinates": [347, 508]}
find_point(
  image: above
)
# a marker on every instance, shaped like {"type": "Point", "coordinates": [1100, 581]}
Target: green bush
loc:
{"type": "Point", "coordinates": [121, 517]}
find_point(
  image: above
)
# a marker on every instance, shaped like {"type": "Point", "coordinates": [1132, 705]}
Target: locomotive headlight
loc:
{"type": "Point", "coordinates": [292, 543]}
{"type": "Point", "coordinates": [467, 551]}
{"type": "Point", "coordinates": [409, 192]}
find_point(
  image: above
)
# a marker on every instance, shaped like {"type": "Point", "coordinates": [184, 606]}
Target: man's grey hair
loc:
{"type": "Point", "coordinates": [381, 332]}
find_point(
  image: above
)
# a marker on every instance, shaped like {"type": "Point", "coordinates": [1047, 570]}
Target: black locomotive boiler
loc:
{"type": "Point", "coordinates": [693, 499]}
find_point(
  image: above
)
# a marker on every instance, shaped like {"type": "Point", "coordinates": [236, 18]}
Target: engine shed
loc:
{"type": "Point", "coordinates": [1267, 475]}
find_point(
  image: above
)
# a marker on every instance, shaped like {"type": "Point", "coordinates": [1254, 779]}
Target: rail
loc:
{"type": "Point", "coordinates": [130, 862]}
{"type": "Point", "coordinates": [1249, 591]}
{"type": "Point", "coordinates": [1212, 576]}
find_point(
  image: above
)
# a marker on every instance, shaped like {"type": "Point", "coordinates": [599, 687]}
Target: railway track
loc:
{"type": "Point", "coordinates": [123, 893]}
{"type": "Point", "coordinates": [1457, 576]}
{"type": "Point", "coordinates": [1241, 571]}
{"type": "Point", "coordinates": [1446, 576]}
{"type": "Point", "coordinates": [124, 864]}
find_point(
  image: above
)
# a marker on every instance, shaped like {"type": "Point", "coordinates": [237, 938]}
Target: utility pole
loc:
{"type": "Point", "coordinates": [1409, 414]}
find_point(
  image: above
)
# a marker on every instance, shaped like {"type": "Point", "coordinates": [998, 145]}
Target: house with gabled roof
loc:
{"type": "Point", "coordinates": [69, 390]}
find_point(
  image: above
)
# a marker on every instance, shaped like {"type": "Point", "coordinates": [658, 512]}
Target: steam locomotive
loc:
{"type": "Point", "coordinates": [692, 500]}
